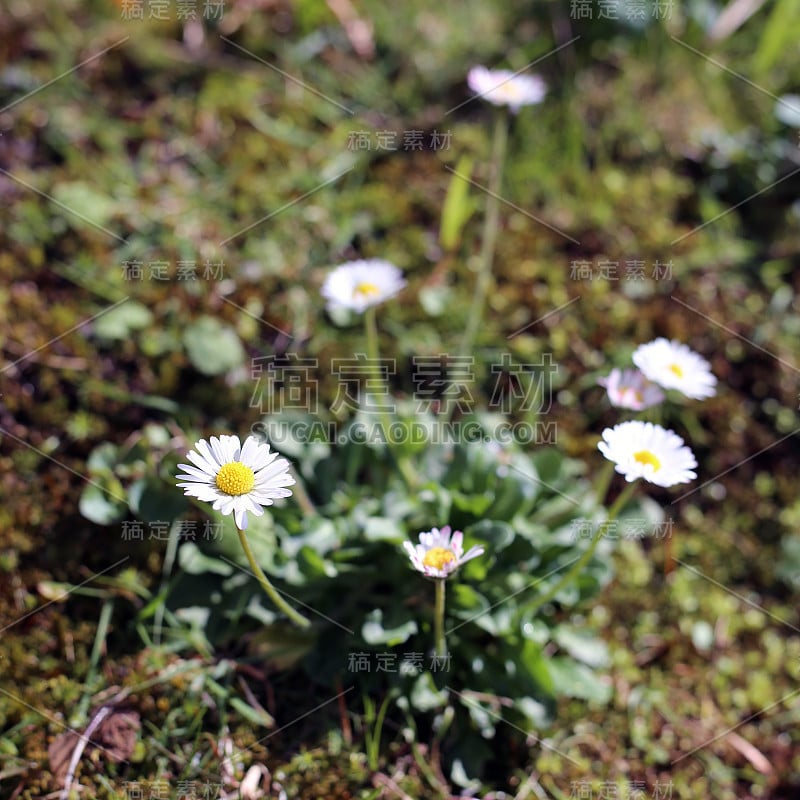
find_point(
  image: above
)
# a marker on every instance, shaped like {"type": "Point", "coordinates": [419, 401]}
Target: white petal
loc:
{"type": "Point", "coordinates": [194, 472]}
{"type": "Point", "coordinates": [218, 450]}
{"type": "Point", "coordinates": [205, 450]}
{"type": "Point", "coordinates": [241, 519]}
{"type": "Point", "coordinates": [203, 463]}
{"type": "Point", "coordinates": [273, 470]}
{"type": "Point", "coordinates": [250, 452]}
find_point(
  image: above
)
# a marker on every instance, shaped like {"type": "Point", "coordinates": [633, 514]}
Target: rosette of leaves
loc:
{"type": "Point", "coordinates": [509, 659]}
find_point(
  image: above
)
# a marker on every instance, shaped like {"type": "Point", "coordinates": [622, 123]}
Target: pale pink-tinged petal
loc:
{"type": "Point", "coordinates": [473, 552]}
{"type": "Point", "coordinates": [427, 540]}
{"type": "Point", "coordinates": [241, 519]}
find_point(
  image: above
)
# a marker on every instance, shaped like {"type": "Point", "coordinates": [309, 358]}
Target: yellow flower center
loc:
{"type": "Point", "coordinates": [437, 557]}
{"type": "Point", "coordinates": [235, 478]}
{"type": "Point", "coordinates": [367, 289]}
{"type": "Point", "coordinates": [675, 369]}
{"type": "Point", "coordinates": [647, 457]}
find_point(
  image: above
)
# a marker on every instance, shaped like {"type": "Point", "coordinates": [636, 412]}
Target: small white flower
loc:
{"type": "Point", "coordinates": [438, 555]}
{"type": "Point", "coordinates": [236, 479]}
{"type": "Point", "coordinates": [505, 88]}
{"type": "Point", "coordinates": [630, 389]}
{"type": "Point", "coordinates": [674, 366]}
{"type": "Point", "coordinates": [358, 285]}
{"type": "Point", "coordinates": [644, 450]}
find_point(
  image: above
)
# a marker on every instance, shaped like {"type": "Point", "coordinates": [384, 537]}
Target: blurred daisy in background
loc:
{"type": "Point", "coordinates": [235, 478]}
{"type": "Point", "coordinates": [673, 365]}
{"type": "Point", "coordinates": [438, 554]}
{"type": "Point", "coordinates": [357, 285]}
{"type": "Point", "coordinates": [505, 88]}
{"type": "Point", "coordinates": [644, 450]}
{"type": "Point", "coordinates": [630, 389]}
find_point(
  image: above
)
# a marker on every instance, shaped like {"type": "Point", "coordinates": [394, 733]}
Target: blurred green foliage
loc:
{"type": "Point", "coordinates": [176, 149]}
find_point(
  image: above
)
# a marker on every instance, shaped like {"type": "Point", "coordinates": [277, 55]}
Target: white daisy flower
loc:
{"type": "Point", "coordinates": [644, 450]}
{"type": "Point", "coordinates": [358, 285]}
{"type": "Point", "coordinates": [674, 366]}
{"type": "Point", "coordinates": [630, 389]}
{"type": "Point", "coordinates": [505, 88]}
{"type": "Point", "coordinates": [235, 478]}
{"type": "Point", "coordinates": [438, 555]}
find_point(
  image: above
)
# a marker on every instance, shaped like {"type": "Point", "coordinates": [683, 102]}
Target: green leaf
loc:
{"type": "Point", "coordinates": [537, 668]}
{"type": "Point", "coordinates": [466, 600]}
{"type": "Point", "coordinates": [777, 38]}
{"type": "Point", "coordinates": [213, 348]}
{"type": "Point", "coordinates": [424, 695]}
{"type": "Point", "coordinates": [497, 535]}
{"type": "Point", "coordinates": [120, 322]}
{"type": "Point", "coordinates": [374, 631]}
{"type": "Point", "coordinates": [100, 507]}
{"type": "Point", "coordinates": [547, 461]}
{"type": "Point", "coordinates": [435, 300]}
{"type": "Point", "coordinates": [458, 207]}
{"type": "Point", "coordinates": [193, 561]}
{"type": "Point", "coordinates": [583, 646]}
{"type": "Point", "coordinates": [513, 496]}
{"type": "Point", "coordinates": [474, 504]}
{"type": "Point", "coordinates": [313, 565]}
{"type": "Point", "coordinates": [382, 529]}
{"type": "Point", "coordinates": [103, 457]}
{"type": "Point", "coordinates": [576, 680]}
{"type": "Point", "coordinates": [84, 200]}
{"type": "Point", "coordinates": [258, 716]}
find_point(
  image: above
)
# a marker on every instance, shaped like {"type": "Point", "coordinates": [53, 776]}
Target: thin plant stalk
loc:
{"type": "Point", "coordinates": [438, 618]}
{"type": "Point", "coordinates": [577, 566]}
{"type": "Point", "coordinates": [385, 419]}
{"type": "Point", "coordinates": [603, 482]}
{"type": "Point", "coordinates": [491, 225]}
{"type": "Point", "coordinates": [271, 591]}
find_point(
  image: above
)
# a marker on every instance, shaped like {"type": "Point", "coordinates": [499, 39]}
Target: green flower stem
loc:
{"type": "Point", "coordinates": [293, 615]}
{"type": "Point", "coordinates": [578, 565]}
{"type": "Point", "coordinates": [438, 622]}
{"type": "Point", "coordinates": [491, 225]}
{"type": "Point", "coordinates": [373, 354]}
{"type": "Point", "coordinates": [603, 482]}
